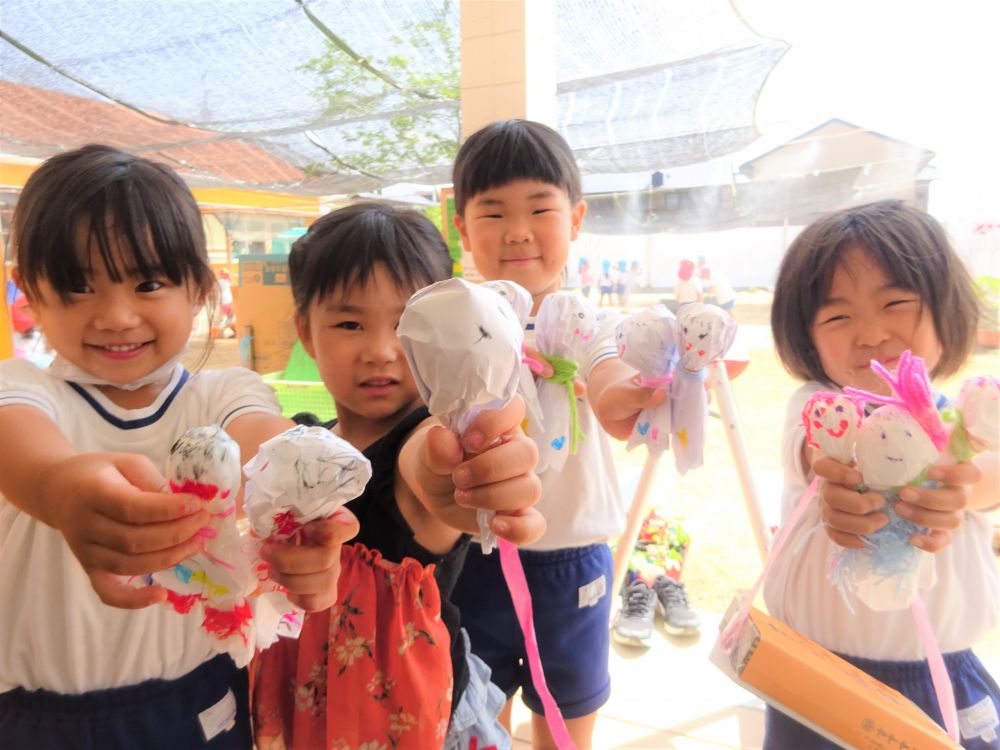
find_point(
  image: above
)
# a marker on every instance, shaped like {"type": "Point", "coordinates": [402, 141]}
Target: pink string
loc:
{"type": "Point", "coordinates": [659, 381]}
{"type": "Point", "coordinates": [533, 364]}
{"type": "Point", "coordinates": [513, 573]}
{"type": "Point", "coordinates": [732, 631]}
{"type": "Point", "coordinates": [939, 672]}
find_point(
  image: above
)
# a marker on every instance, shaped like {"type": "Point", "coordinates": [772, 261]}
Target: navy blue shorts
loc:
{"type": "Point", "coordinates": [570, 593]}
{"type": "Point", "coordinates": [154, 715]}
{"type": "Point", "coordinates": [976, 697]}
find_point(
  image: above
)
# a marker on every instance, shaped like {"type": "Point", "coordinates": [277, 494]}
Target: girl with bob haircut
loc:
{"type": "Point", "coordinates": [863, 284]}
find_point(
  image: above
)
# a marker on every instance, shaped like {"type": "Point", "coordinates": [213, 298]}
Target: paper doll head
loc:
{"type": "Point", "coordinates": [892, 448]}
{"type": "Point", "coordinates": [205, 461]}
{"type": "Point", "coordinates": [463, 342]}
{"type": "Point", "coordinates": [979, 401]}
{"type": "Point", "coordinates": [648, 341]}
{"type": "Point", "coordinates": [518, 297]}
{"type": "Point", "coordinates": [832, 422]}
{"type": "Point", "coordinates": [565, 325]}
{"type": "Point", "coordinates": [706, 333]}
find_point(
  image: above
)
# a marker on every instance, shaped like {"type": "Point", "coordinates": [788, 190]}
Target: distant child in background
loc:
{"type": "Point", "coordinates": [586, 277]}
{"type": "Point", "coordinates": [870, 283]}
{"type": "Point", "coordinates": [605, 283]}
{"type": "Point", "coordinates": [717, 289]}
{"type": "Point", "coordinates": [622, 283]}
{"type": "Point", "coordinates": [517, 208]}
{"type": "Point", "coordinates": [387, 666]}
{"type": "Point", "coordinates": [111, 254]}
{"type": "Point", "coordinates": [688, 287]}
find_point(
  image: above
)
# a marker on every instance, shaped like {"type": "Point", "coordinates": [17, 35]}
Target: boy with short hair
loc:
{"type": "Point", "coordinates": [517, 208]}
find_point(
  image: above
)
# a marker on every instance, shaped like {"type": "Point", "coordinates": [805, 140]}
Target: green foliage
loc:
{"type": "Point", "coordinates": [418, 131]}
{"type": "Point", "coordinates": [988, 289]}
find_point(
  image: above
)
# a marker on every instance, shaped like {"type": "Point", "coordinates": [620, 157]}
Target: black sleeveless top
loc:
{"type": "Point", "coordinates": [383, 528]}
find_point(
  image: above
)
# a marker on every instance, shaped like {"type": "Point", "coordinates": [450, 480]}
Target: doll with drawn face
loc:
{"type": "Point", "coordinates": [565, 329]}
{"type": "Point", "coordinates": [706, 333]}
{"type": "Point", "coordinates": [894, 446]}
{"type": "Point", "coordinates": [464, 344]}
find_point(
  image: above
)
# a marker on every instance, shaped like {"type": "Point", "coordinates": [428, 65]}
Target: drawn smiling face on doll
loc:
{"type": "Point", "coordinates": [892, 449]}
{"type": "Point", "coordinates": [565, 325]}
{"type": "Point", "coordinates": [205, 462]}
{"type": "Point", "coordinates": [832, 421]}
{"type": "Point", "coordinates": [706, 334]}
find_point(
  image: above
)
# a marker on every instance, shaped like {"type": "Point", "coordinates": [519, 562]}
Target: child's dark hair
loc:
{"type": "Point", "coordinates": [342, 249]}
{"type": "Point", "coordinates": [913, 250]}
{"type": "Point", "coordinates": [120, 200]}
{"type": "Point", "coordinates": [511, 150]}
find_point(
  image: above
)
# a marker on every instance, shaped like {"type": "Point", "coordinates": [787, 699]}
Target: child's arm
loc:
{"type": "Point", "coordinates": [308, 565]}
{"type": "Point", "coordinates": [497, 473]}
{"type": "Point", "coordinates": [108, 506]}
{"type": "Point", "coordinates": [617, 398]}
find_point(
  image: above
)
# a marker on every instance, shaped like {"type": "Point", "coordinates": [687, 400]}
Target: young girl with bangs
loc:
{"type": "Point", "coordinates": [111, 254]}
{"type": "Point", "coordinates": [863, 284]}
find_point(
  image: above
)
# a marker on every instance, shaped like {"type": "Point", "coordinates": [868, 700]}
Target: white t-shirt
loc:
{"type": "Point", "coordinates": [963, 606]}
{"type": "Point", "coordinates": [687, 291]}
{"type": "Point", "coordinates": [582, 503]}
{"type": "Point", "coordinates": [55, 631]}
{"type": "Point", "coordinates": [721, 288]}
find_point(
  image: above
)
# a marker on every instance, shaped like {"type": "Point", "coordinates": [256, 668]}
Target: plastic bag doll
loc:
{"type": "Point", "coordinates": [564, 329]}
{"type": "Point", "coordinates": [301, 475]}
{"type": "Point", "coordinates": [894, 447]}
{"type": "Point", "coordinates": [649, 341]}
{"type": "Point", "coordinates": [463, 343]}
{"type": "Point", "coordinates": [205, 462]}
{"type": "Point", "coordinates": [706, 333]}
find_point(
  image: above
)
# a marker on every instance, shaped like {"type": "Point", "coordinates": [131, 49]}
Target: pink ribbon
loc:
{"type": "Point", "coordinates": [659, 381]}
{"type": "Point", "coordinates": [939, 672]}
{"type": "Point", "coordinates": [517, 585]}
{"type": "Point", "coordinates": [732, 631]}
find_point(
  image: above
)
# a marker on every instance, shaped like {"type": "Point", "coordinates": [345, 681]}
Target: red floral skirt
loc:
{"type": "Point", "coordinates": [374, 670]}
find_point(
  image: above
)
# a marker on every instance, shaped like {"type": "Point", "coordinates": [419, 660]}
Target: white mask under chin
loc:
{"type": "Point", "coordinates": [64, 369]}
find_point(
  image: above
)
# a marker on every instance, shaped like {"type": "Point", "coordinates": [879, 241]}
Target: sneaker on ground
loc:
{"type": "Point", "coordinates": [673, 604]}
{"type": "Point", "coordinates": [634, 621]}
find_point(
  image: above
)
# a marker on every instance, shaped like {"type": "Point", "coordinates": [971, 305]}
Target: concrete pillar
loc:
{"type": "Point", "coordinates": [508, 61]}
{"type": "Point", "coordinates": [508, 67]}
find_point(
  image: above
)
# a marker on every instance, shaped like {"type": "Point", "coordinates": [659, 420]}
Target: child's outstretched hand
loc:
{"type": "Point", "coordinates": [118, 521]}
{"type": "Point", "coordinates": [617, 397]}
{"type": "Point", "coordinates": [492, 469]}
{"type": "Point", "coordinates": [849, 514]}
{"type": "Point", "coordinates": [308, 564]}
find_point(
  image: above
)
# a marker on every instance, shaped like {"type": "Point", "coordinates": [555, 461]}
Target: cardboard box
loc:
{"type": "Point", "coordinates": [819, 689]}
{"type": "Point", "coordinates": [262, 300]}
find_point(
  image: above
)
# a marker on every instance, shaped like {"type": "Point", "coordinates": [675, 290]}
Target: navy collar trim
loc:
{"type": "Point", "coordinates": [131, 424]}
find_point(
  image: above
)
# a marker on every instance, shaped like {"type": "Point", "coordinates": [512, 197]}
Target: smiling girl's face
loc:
{"type": "Point", "coordinates": [865, 317]}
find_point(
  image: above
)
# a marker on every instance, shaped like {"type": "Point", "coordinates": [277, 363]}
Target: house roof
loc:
{"type": "Point", "coordinates": [819, 138]}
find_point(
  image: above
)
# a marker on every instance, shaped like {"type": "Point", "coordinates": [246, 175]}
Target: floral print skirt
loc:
{"type": "Point", "coordinates": [373, 672]}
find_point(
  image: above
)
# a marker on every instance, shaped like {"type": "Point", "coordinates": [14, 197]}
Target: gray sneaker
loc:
{"type": "Point", "coordinates": [634, 621]}
{"type": "Point", "coordinates": [673, 604]}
